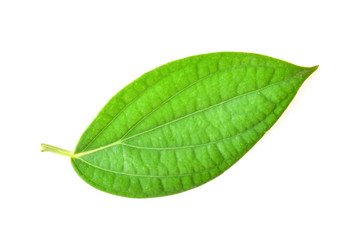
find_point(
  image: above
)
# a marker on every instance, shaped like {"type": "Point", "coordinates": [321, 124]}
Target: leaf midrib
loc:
{"type": "Point", "coordinates": [118, 142]}
{"type": "Point", "coordinates": [147, 89]}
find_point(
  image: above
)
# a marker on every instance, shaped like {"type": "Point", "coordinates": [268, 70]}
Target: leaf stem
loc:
{"type": "Point", "coordinates": [49, 148]}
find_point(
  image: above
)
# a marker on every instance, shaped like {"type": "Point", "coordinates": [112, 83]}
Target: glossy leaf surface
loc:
{"type": "Point", "coordinates": [184, 123]}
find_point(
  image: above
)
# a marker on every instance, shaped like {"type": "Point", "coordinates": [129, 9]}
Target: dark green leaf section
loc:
{"type": "Point", "coordinates": [184, 123]}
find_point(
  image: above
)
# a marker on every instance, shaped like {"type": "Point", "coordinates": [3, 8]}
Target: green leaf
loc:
{"type": "Point", "coordinates": [184, 123]}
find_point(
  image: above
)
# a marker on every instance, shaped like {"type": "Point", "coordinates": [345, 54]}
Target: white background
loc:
{"type": "Point", "coordinates": [60, 62]}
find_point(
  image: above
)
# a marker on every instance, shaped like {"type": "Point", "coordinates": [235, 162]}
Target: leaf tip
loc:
{"type": "Point", "coordinates": [314, 68]}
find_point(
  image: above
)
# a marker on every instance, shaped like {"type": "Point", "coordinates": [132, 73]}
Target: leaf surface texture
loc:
{"type": "Point", "coordinates": [184, 123]}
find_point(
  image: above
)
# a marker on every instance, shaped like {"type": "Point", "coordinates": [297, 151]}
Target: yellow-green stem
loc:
{"type": "Point", "coordinates": [49, 148]}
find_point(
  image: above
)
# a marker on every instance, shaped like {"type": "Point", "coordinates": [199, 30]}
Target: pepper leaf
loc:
{"type": "Point", "coordinates": [184, 123]}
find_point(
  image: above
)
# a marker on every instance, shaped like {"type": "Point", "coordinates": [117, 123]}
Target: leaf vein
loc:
{"type": "Point", "coordinates": [212, 106]}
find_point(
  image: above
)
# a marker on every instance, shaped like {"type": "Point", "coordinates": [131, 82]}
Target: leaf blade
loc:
{"type": "Point", "coordinates": [212, 108]}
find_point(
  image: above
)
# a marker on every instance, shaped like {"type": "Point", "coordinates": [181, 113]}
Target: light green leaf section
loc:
{"type": "Point", "coordinates": [184, 123]}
